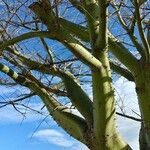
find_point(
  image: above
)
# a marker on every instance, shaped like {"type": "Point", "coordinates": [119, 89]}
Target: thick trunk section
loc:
{"type": "Point", "coordinates": [143, 142]}
{"type": "Point", "coordinates": [119, 144]}
{"type": "Point", "coordinates": [105, 135]}
{"type": "Point", "coordinates": [142, 80]}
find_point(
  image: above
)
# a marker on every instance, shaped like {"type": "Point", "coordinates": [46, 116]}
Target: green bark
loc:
{"type": "Point", "coordinates": [143, 142]}
{"type": "Point", "coordinates": [105, 133]}
{"type": "Point", "coordinates": [142, 81]}
{"type": "Point", "coordinates": [79, 98]}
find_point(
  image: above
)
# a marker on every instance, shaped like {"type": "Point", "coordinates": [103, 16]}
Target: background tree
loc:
{"type": "Point", "coordinates": [93, 39]}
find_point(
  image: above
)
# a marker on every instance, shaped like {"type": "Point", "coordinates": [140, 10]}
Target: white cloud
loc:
{"type": "Point", "coordinates": [129, 130]}
{"type": "Point", "coordinates": [58, 138]}
{"type": "Point", "coordinates": [53, 137]}
{"type": "Point", "coordinates": [79, 147]}
{"type": "Point", "coordinates": [74, 110]}
{"type": "Point", "coordinates": [125, 91]}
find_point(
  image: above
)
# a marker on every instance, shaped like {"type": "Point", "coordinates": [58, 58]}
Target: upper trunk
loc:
{"type": "Point", "coordinates": [142, 81]}
{"type": "Point", "coordinates": [106, 136]}
{"type": "Point", "coordinates": [143, 142]}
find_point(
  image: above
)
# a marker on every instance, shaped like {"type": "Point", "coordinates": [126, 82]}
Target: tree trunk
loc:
{"type": "Point", "coordinates": [117, 144]}
{"type": "Point", "coordinates": [142, 80]}
{"type": "Point", "coordinates": [105, 135]}
{"type": "Point", "coordinates": [143, 142]}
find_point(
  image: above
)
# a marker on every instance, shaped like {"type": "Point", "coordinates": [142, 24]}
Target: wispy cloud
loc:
{"type": "Point", "coordinates": [55, 137]}
{"type": "Point", "coordinates": [130, 131]}
{"type": "Point", "coordinates": [58, 138]}
{"type": "Point", "coordinates": [79, 147]}
{"type": "Point", "coordinates": [125, 92]}
{"type": "Point", "coordinates": [8, 115]}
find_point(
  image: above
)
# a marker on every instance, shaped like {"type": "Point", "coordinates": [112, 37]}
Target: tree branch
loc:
{"type": "Point", "coordinates": [122, 71]}
{"type": "Point", "coordinates": [130, 32]}
{"type": "Point", "coordinates": [73, 124]}
{"type": "Point", "coordinates": [140, 29]}
{"type": "Point", "coordinates": [122, 53]}
{"type": "Point", "coordinates": [78, 50]}
{"type": "Point", "coordinates": [71, 85]}
{"type": "Point", "coordinates": [26, 36]}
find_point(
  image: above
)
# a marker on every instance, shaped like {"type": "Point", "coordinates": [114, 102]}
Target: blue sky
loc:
{"type": "Point", "coordinates": [18, 137]}
{"type": "Point", "coordinates": [35, 132]}
{"type": "Point", "coordinates": [31, 134]}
